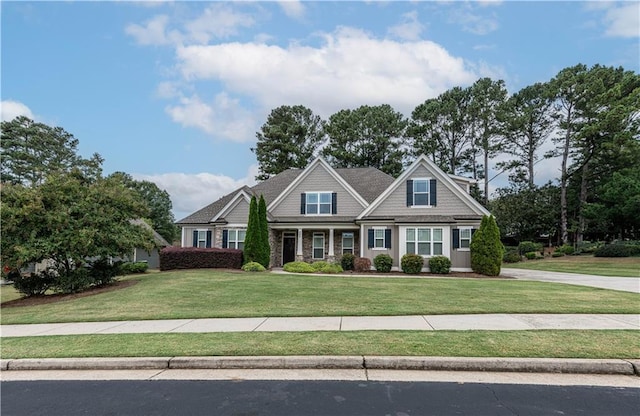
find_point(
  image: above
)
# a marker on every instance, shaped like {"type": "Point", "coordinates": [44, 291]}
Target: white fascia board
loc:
{"type": "Point", "coordinates": [318, 161]}
{"type": "Point", "coordinates": [234, 201]}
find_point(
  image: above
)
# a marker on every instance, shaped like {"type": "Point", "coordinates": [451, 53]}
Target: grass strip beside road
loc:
{"type": "Point", "coordinates": [215, 294]}
{"type": "Point", "coordinates": [622, 344]}
{"type": "Point", "coordinates": [599, 266]}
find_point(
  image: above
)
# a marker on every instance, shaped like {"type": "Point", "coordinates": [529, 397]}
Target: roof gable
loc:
{"type": "Point", "coordinates": [243, 194]}
{"type": "Point", "coordinates": [421, 163]}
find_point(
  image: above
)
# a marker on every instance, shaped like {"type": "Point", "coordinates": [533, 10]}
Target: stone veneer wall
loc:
{"type": "Point", "coordinates": [275, 240]}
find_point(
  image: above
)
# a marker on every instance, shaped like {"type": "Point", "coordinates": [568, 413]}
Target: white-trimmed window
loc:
{"type": "Point", "coordinates": [424, 241]}
{"type": "Point", "coordinates": [420, 192]}
{"type": "Point", "coordinates": [318, 246]}
{"type": "Point", "coordinates": [318, 203]}
{"type": "Point", "coordinates": [378, 238]}
{"type": "Point", "coordinates": [235, 239]}
{"type": "Point", "coordinates": [347, 243]}
{"type": "Point", "coordinates": [465, 238]}
{"type": "Point", "coordinates": [202, 239]}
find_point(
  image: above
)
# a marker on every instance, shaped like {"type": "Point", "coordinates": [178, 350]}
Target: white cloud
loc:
{"type": "Point", "coordinates": [475, 23]}
{"type": "Point", "coordinates": [292, 8]}
{"type": "Point", "coordinates": [349, 69]}
{"type": "Point", "coordinates": [409, 29]}
{"type": "Point", "coordinates": [223, 117]}
{"type": "Point", "coordinates": [623, 21]}
{"type": "Point", "coordinates": [190, 192]}
{"type": "Point", "coordinates": [12, 109]}
{"type": "Point", "coordinates": [151, 33]}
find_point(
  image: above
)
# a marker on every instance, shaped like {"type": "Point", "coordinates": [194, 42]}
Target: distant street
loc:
{"type": "Point", "coordinates": [301, 398]}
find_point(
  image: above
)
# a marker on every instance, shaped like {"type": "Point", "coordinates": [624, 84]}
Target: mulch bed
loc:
{"type": "Point", "coordinates": [467, 275]}
{"type": "Point", "coordinates": [58, 297]}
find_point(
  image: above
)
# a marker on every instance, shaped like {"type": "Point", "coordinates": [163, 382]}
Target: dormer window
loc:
{"type": "Point", "coordinates": [319, 203]}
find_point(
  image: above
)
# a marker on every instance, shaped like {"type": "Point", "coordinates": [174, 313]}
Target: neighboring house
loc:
{"type": "Point", "coordinates": [320, 213]}
{"type": "Point", "coordinates": [152, 258]}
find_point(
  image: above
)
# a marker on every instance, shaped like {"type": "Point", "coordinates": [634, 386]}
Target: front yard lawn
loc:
{"type": "Point", "coordinates": [214, 294]}
{"type": "Point", "coordinates": [599, 266]}
{"type": "Point", "coordinates": [561, 344]}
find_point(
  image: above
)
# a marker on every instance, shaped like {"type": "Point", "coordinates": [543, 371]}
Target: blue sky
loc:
{"type": "Point", "coordinates": [174, 92]}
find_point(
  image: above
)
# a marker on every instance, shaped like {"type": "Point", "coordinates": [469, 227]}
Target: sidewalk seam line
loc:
{"type": "Point", "coordinates": [428, 323]}
{"type": "Point", "coordinates": [188, 321]}
{"type": "Point", "coordinates": [260, 324]}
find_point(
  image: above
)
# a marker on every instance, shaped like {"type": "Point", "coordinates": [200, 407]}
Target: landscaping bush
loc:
{"type": "Point", "coordinates": [613, 250]}
{"type": "Point", "coordinates": [565, 249]}
{"type": "Point", "coordinates": [347, 261]}
{"type": "Point", "coordinates": [588, 247]}
{"type": "Point", "coordinates": [557, 254]}
{"type": "Point", "coordinates": [486, 248]}
{"type": "Point", "coordinates": [412, 263]}
{"type": "Point", "coordinates": [632, 246]}
{"type": "Point", "coordinates": [383, 263]}
{"type": "Point", "coordinates": [330, 268]}
{"type": "Point", "coordinates": [104, 272]}
{"type": "Point", "coordinates": [35, 284]}
{"type": "Point", "coordinates": [533, 255]}
{"type": "Point", "coordinates": [75, 281]}
{"type": "Point", "coordinates": [200, 258]}
{"type": "Point", "coordinates": [512, 256]}
{"type": "Point", "coordinates": [318, 265]}
{"type": "Point", "coordinates": [134, 268]}
{"type": "Point", "coordinates": [361, 264]}
{"type": "Point", "coordinates": [298, 267]}
{"type": "Point", "coordinates": [253, 266]}
{"type": "Point", "coordinates": [439, 265]}
{"type": "Point", "coordinates": [528, 246]}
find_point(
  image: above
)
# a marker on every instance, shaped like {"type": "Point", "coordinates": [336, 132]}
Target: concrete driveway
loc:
{"type": "Point", "coordinates": [625, 284]}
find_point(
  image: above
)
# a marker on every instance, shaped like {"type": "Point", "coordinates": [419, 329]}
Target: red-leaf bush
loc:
{"type": "Point", "coordinates": [200, 258]}
{"type": "Point", "coordinates": [361, 264]}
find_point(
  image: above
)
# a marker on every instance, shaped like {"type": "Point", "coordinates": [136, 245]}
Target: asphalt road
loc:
{"type": "Point", "coordinates": [302, 398]}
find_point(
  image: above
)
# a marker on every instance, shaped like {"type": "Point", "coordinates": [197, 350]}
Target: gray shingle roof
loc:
{"type": "Point", "coordinates": [368, 182]}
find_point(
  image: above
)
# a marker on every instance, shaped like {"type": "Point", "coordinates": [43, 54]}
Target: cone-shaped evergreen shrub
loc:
{"type": "Point", "coordinates": [252, 238]}
{"type": "Point", "coordinates": [265, 249]}
{"type": "Point", "coordinates": [486, 248]}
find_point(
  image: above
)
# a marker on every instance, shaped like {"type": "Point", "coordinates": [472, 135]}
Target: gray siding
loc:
{"type": "Point", "coordinates": [318, 180]}
{"type": "Point", "coordinates": [188, 240]}
{"type": "Point", "coordinates": [461, 259]}
{"type": "Point", "coordinates": [239, 214]}
{"type": "Point", "coordinates": [447, 202]}
{"type": "Point", "coordinates": [371, 253]}
{"type": "Point", "coordinates": [152, 258]}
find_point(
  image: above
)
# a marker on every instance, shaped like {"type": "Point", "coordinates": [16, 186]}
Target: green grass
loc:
{"type": "Point", "coordinates": [561, 344]}
{"type": "Point", "coordinates": [210, 294]}
{"type": "Point", "coordinates": [599, 266]}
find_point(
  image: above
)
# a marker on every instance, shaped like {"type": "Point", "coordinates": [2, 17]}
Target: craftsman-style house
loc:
{"type": "Point", "coordinates": [320, 213]}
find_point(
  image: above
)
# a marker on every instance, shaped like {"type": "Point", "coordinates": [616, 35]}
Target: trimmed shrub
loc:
{"type": "Point", "coordinates": [318, 265]}
{"type": "Point", "coordinates": [253, 266]}
{"type": "Point", "coordinates": [512, 256]}
{"type": "Point", "coordinates": [565, 249]}
{"type": "Point", "coordinates": [533, 255]}
{"type": "Point", "coordinates": [557, 254]}
{"type": "Point", "coordinates": [265, 249]}
{"type": "Point", "coordinates": [76, 281]}
{"type": "Point", "coordinates": [34, 284]}
{"type": "Point", "coordinates": [347, 261]}
{"type": "Point", "coordinates": [613, 250]}
{"type": "Point", "coordinates": [103, 272]}
{"type": "Point", "coordinates": [298, 267]}
{"type": "Point", "coordinates": [252, 238]}
{"type": "Point", "coordinates": [439, 265]}
{"type": "Point", "coordinates": [172, 258]}
{"type": "Point", "coordinates": [331, 269]}
{"type": "Point", "coordinates": [588, 247]}
{"type": "Point", "coordinates": [383, 263]}
{"type": "Point", "coordinates": [528, 246]}
{"type": "Point", "coordinates": [412, 263]}
{"type": "Point", "coordinates": [134, 268]}
{"type": "Point", "coordinates": [361, 264]}
{"type": "Point", "coordinates": [486, 248]}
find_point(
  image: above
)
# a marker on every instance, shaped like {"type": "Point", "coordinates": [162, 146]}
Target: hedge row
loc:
{"type": "Point", "coordinates": [200, 258]}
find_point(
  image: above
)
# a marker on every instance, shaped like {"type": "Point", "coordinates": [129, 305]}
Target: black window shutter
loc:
{"type": "Point", "coordinates": [387, 238]}
{"type": "Point", "coordinates": [432, 192]}
{"type": "Point", "coordinates": [473, 230]}
{"type": "Point", "coordinates": [195, 238]}
{"type": "Point", "coordinates": [456, 238]}
{"type": "Point", "coordinates": [409, 193]}
{"type": "Point", "coordinates": [334, 203]}
{"type": "Point", "coordinates": [370, 240]}
{"type": "Point", "coordinates": [303, 203]}
{"type": "Point", "coordinates": [209, 239]}
{"type": "Point", "coordinates": [225, 238]}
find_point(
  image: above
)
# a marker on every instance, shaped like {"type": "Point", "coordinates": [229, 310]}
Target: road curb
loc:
{"type": "Point", "coordinates": [523, 365]}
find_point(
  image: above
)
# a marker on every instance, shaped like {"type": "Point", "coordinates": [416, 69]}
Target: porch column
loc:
{"type": "Point", "coordinates": [331, 256]}
{"type": "Point", "coordinates": [299, 255]}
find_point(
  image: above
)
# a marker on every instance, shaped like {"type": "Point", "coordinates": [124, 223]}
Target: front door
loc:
{"type": "Point", "coordinates": [288, 248]}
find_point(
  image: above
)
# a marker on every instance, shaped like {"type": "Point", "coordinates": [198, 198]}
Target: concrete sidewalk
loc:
{"type": "Point", "coordinates": [499, 322]}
